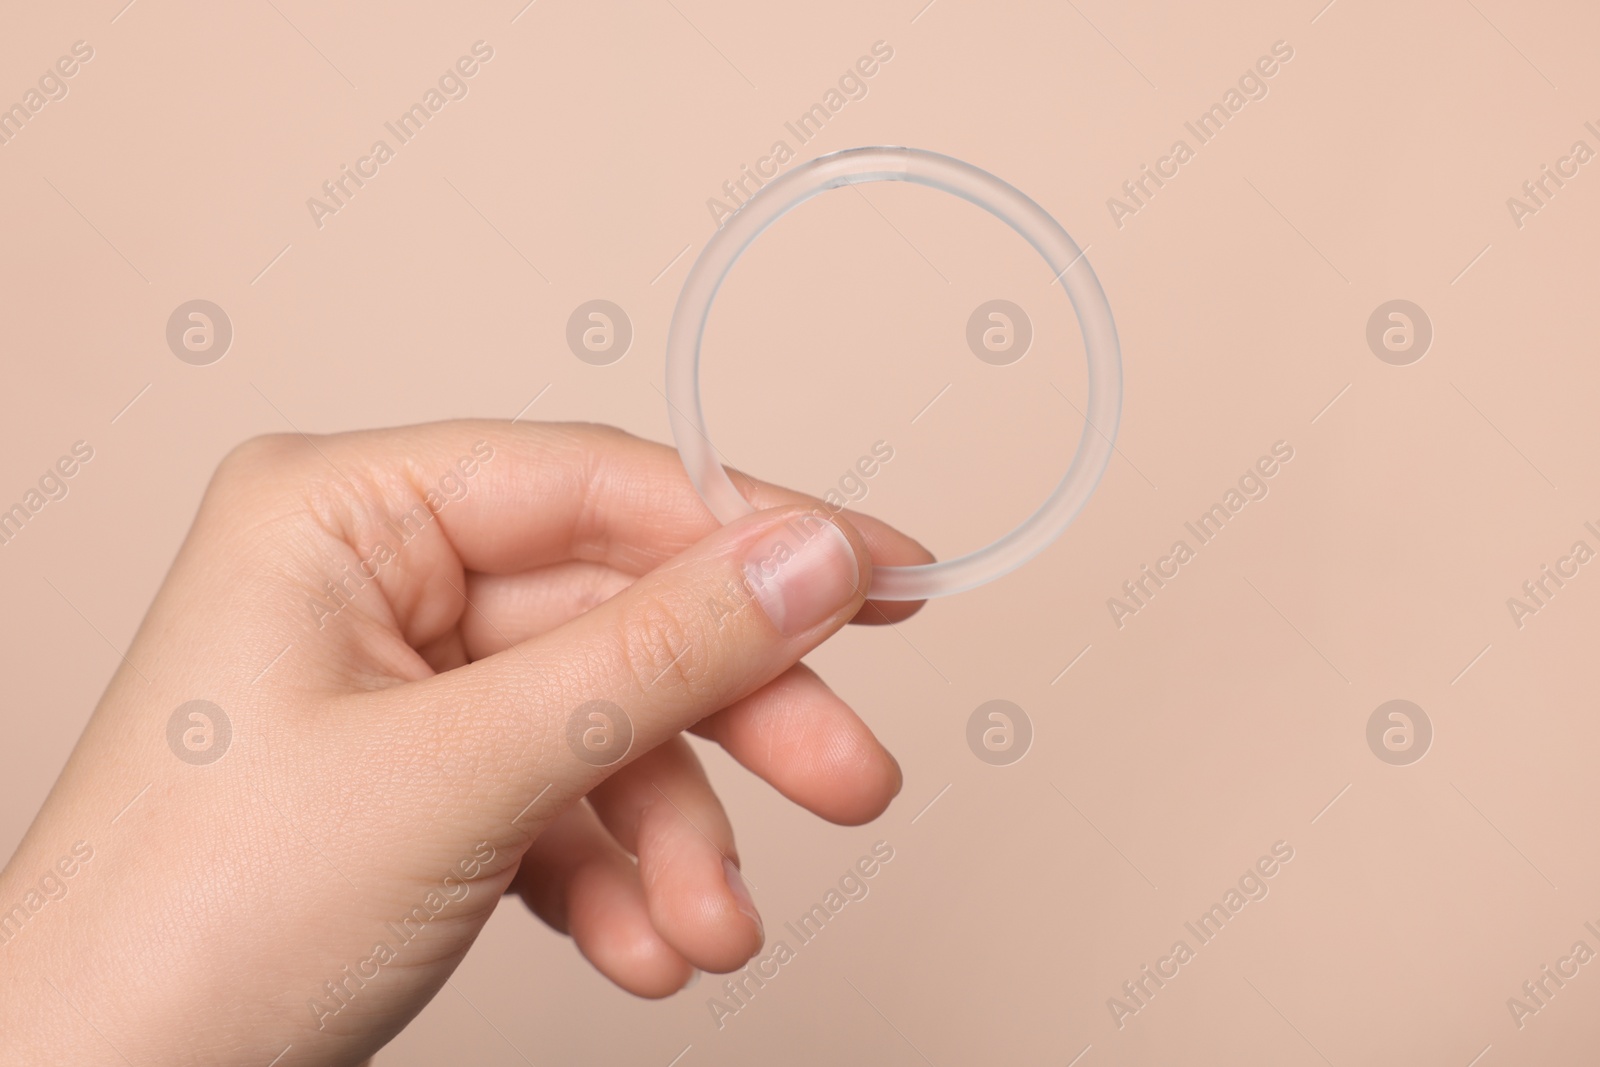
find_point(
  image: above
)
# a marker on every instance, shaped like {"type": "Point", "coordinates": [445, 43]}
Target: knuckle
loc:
{"type": "Point", "coordinates": [259, 456]}
{"type": "Point", "coordinates": [660, 650]}
{"type": "Point", "coordinates": [604, 430]}
{"type": "Point", "coordinates": [267, 477]}
{"type": "Point", "coordinates": [582, 435]}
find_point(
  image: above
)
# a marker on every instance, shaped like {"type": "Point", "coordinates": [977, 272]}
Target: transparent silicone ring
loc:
{"type": "Point", "coordinates": [1067, 265]}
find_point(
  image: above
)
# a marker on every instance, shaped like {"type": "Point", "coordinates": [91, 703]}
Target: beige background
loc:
{"type": "Point", "coordinates": [1222, 718]}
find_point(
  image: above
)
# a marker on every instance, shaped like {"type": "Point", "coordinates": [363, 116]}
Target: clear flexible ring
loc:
{"type": "Point", "coordinates": [893, 164]}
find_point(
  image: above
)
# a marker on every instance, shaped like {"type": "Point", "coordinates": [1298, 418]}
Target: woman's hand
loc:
{"type": "Point", "coordinates": [394, 675]}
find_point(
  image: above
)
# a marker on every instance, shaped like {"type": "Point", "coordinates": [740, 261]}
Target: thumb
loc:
{"type": "Point", "coordinates": [689, 638]}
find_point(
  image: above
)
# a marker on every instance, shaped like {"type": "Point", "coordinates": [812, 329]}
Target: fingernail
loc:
{"type": "Point", "coordinates": [741, 896]}
{"type": "Point", "coordinates": [801, 573]}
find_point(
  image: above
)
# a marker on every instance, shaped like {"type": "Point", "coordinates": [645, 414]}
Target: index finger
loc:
{"type": "Point", "coordinates": [511, 497]}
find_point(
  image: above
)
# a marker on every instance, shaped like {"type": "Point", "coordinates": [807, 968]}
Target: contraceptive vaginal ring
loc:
{"type": "Point", "coordinates": [878, 164]}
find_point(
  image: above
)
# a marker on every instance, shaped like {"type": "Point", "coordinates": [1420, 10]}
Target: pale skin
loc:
{"type": "Point", "coordinates": [409, 749]}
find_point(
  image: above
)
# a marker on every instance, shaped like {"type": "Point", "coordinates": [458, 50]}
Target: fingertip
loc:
{"type": "Point", "coordinates": [869, 801]}
{"type": "Point", "coordinates": [625, 947]}
{"type": "Point", "coordinates": [810, 745]}
{"type": "Point", "coordinates": [886, 612]}
{"type": "Point", "coordinates": [886, 547]}
{"type": "Point", "coordinates": [699, 902]}
{"type": "Point", "coordinates": [744, 902]}
{"type": "Point", "coordinates": [805, 570]}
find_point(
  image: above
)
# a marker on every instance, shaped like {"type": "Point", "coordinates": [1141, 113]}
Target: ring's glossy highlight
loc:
{"type": "Point", "coordinates": [1067, 264]}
